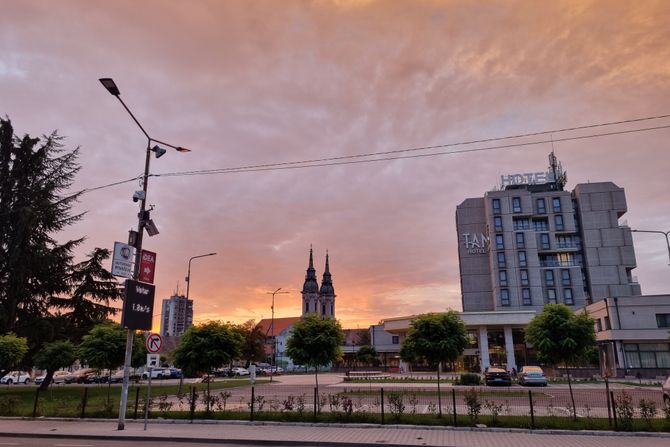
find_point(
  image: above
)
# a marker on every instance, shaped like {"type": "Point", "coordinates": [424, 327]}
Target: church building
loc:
{"type": "Point", "coordinates": [315, 300]}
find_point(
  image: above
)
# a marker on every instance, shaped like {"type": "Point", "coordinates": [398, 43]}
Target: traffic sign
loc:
{"type": "Point", "coordinates": [122, 261]}
{"type": "Point", "coordinates": [147, 266]}
{"type": "Point", "coordinates": [154, 342]}
{"type": "Point", "coordinates": [138, 305]}
{"type": "Point", "coordinates": [153, 360]}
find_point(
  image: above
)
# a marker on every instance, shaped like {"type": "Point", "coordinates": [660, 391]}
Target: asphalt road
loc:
{"type": "Point", "coordinates": [64, 442]}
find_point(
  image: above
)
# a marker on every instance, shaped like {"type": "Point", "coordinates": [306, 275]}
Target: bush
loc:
{"type": "Point", "coordinates": [469, 379]}
{"type": "Point", "coordinates": [474, 405]}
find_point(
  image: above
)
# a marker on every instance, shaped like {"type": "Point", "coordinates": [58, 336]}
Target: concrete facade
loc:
{"type": "Point", "coordinates": [528, 245]}
{"type": "Point", "coordinates": [177, 315]}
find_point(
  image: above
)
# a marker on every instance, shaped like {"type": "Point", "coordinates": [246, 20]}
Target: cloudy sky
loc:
{"type": "Point", "coordinates": [245, 83]}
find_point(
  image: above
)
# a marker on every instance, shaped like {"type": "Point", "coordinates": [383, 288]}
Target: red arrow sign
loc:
{"type": "Point", "coordinates": [147, 266]}
{"type": "Point", "coordinates": [154, 342]}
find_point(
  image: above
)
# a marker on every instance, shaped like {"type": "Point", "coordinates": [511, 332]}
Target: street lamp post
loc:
{"type": "Point", "coordinates": [143, 220]}
{"type": "Point", "coordinates": [272, 330]}
{"type": "Point", "coordinates": [664, 233]}
{"type": "Point", "coordinates": [188, 275]}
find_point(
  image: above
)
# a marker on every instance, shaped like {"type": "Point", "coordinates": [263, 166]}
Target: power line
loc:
{"type": "Point", "coordinates": [365, 158]}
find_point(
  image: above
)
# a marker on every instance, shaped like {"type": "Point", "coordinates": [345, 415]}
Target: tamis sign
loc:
{"type": "Point", "coordinates": [147, 266]}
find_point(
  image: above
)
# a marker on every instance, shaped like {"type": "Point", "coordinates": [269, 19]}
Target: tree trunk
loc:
{"type": "Point", "coordinates": [209, 379]}
{"type": "Point", "coordinates": [439, 395]}
{"type": "Point", "coordinates": [316, 377]}
{"type": "Point", "coordinates": [572, 396]}
{"type": "Point", "coordinates": [47, 380]}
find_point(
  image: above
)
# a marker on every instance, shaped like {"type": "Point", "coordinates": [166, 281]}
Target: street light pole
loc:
{"type": "Point", "coordinates": [664, 233]}
{"type": "Point", "coordinates": [142, 218]}
{"type": "Point", "coordinates": [188, 275]}
{"type": "Point", "coordinates": [272, 329]}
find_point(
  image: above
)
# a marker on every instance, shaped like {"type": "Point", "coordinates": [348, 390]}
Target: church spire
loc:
{"type": "Point", "coordinates": [311, 285]}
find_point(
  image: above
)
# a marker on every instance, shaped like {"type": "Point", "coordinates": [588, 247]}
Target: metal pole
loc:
{"type": "Point", "coordinates": [138, 254]}
{"type": "Point", "coordinates": [188, 275]}
{"type": "Point", "coordinates": [148, 403]}
{"type": "Point", "coordinates": [271, 330]}
{"type": "Point", "coordinates": [664, 233]}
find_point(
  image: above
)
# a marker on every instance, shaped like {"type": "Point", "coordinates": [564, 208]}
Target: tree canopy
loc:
{"type": "Point", "coordinates": [12, 351]}
{"type": "Point", "coordinates": [253, 339]}
{"type": "Point", "coordinates": [54, 356]}
{"type": "Point", "coordinates": [104, 347]}
{"type": "Point", "coordinates": [366, 354]}
{"type": "Point", "coordinates": [435, 338]}
{"type": "Point", "coordinates": [207, 346]}
{"type": "Point", "coordinates": [315, 342]}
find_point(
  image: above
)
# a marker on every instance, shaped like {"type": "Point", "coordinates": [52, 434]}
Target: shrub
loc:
{"type": "Point", "coordinates": [647, 410]}
{"type": "Point", "coordinates": [474, 405]}
{"type": "Point", "coordinates": [396, 404]}
{"type": "Point", "coordinates": [469, 379]}
{"type": "Point", "coordinates": [625, 410]}
{"type": "Point", "coordinates": [495, 409]}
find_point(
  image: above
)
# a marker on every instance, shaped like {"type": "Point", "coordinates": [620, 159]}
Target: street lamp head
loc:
{"type": "Point", "coordinates": [159, 151]}
{"type": "Point", "coordinates": [182, 149]}
{"type": "Point", "coordinates": [110, 85]}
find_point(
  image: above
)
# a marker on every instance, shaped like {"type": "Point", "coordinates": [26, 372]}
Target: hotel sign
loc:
{"type": "Point", "coordinates": [531, 178]}
{"type": "Point", "coordinates": [476, 244]}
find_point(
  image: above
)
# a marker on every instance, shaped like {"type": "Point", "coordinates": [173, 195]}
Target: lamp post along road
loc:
{"type": "Point", "coordinates": [272, 330]}
{"type": "Point", "coordinates": [143, 218]}
{"type": "Point", "coordinates": [188, 275]}
{"type": "Point", "coordinates": [664, 233]}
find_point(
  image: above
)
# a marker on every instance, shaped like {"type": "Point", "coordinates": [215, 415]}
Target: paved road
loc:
{"type": "Point", "coordinates": [79, 442]}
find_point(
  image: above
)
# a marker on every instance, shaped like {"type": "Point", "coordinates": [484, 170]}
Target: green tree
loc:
{"type": "Point", "coordinates": [34, 175]}
{"type": "Point", "coordinates": [252, 347]}
{"type": "Point", "coordinates": [560, 336]}
{"type": "Point", "coordinates": [104, 347]}
{"type": "Point", "coordinates": [367, 355]}
{"type": "Point", "coordinates": [12, 351]}
{"type": "Point", "coordinates": [435, 338]}
{"type": "Point", "coordinates": [315, 342]}
{"type": "Point", "coordinates": [207, 346]}
{"type": "Point", "coordinates": [93, 290]}
{"type": "Point", "coordinates": [54, 356]}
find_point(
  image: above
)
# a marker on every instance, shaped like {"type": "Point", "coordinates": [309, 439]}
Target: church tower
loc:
{"type": "Point", "coordinates": [310, 290]}
{"type": "Point", "coordinates": [327, 294]}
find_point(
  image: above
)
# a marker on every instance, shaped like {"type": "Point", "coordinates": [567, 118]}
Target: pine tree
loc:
{"type": "Point", "coordinates": [35, 174]}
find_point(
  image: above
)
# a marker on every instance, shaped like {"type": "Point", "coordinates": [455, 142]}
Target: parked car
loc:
{"type": "Point", "coordinates": [238, 371]}
{"type": "Point", "coordinates": [497, 376]}
{"type": "Point", "coordinates": [175, 373]}
{"type": "Point", "coordinates": [58, 377]}
{"type": "Point", "coordinates": [16, 377]}
{"type": "Point", "coordinates": [532, 375]}
{"type": "Point", "coordinates": [100, 376]}
{"type": "Point", "coordinates": [666, 392]}
{"type": "Point", "coordinates": [117, 376]}
{"type": "Point", "coordinates": [157, 373]}
{"type": "Point", "coordinates": [78, 376]}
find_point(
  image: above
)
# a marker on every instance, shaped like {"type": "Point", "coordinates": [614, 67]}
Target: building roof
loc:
{"type": "Point", "coordinates": [279, 325]}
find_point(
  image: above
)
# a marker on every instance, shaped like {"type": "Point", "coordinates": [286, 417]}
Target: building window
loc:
{"type": "Point", "coordinates": [558, 220]}
{"type": "Point", "coordinates": [544, 241]}
{"type": "Point", "coordinates": [497, 223]}
{"type": "Point", "coordinates": [608, 325]}
{"type": "Point", "coordinates": [556, 203]}
{"type": "Point", "coordinates": [523, 274]}
{"type": "Point", "coordinates": [520, 241]}
{"type": "Point", "coordinates": [516, 204]}
{"type": "Point", "coordinates": [500, 242]}
{"type": "Point", "coordinates": [502, 278]}
{"type": "Point", "coordinates": [522, 259]}
{"type": "Point", "coordinates": [501, 260]}
{"type": "Point", "coordinates": [525, 295]}
{"type": "Point", "coordinates": [549, 278]}
{"type": "Point", "coordinates": [395, 339]}
{"type": "Point", "coordinates": [647, 355]}
{"type": "Point", "coordinates": [541, 207]}
{"type": "Point", "coordinates": [567, 297]}
{"type": "Point", "coordinates": [307, 307]}
{"type": "Point", "coordinates": [663, 320]}
{"type": "Point", "coordinates": [565, 277]}
{"type": "Point", "coordinates": [496, 206]}
{"type": "Point", "coordinates": [521, 223]}
{"type": "Point", "coordinates": [551, 296]}
{"type": "Point", "coordinates": [599, 325]}
{"type": "Point", "coordinates": [504, 297]}
{"type": "Point", "coordinates": [541, 224]}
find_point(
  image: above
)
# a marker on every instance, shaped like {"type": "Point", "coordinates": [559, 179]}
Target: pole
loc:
{"type": "Point", "coordinates": [664, 233]}
{"type": "Point", "coordinates": [148, 403]}
{"type": "Point", "coordinates": [271, 330]}
{"type": "Point", "coordinates": [138, 254]}
{"type": "Point", "coordinates": [188, 275]}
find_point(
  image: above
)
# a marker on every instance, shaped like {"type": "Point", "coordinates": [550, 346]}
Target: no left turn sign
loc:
{"type": "Point", "coordinates": [154, 342]}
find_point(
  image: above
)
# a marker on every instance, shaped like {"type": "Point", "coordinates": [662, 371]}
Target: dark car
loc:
{"type": "Point", "coordinates": [497, 376]}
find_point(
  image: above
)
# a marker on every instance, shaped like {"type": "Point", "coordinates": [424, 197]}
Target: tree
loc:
{"type": "Point", "coordinates": [93, 289]}
{"type": "Point", "coordinates": [207, 346]}
{"type": "Point", "coordinates": [435, 338]}
{"type": "Point", "coordinates": [366, 354]}
{"type": "Point", "coordinates": [561, 336]}
{"type": "Point", "coordinates": [12, 351]}
{"type": "Point", "coordinates": [54, 356]}
{"type": "Point", "coordinates": [315, 342]}
{"type": "Point", "coordinates": [252, 347]}
{"type": "Point", "coordinates": [34, 173]}
{"type": "Point", "coordinates": [104, 347]}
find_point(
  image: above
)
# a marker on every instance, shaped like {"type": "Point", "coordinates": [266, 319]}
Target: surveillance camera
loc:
{"type": "Point", "coordinates": [139, 195]}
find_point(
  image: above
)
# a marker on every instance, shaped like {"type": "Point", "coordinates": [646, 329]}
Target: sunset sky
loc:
{"type": "Point", "coordinates": [245, 83]}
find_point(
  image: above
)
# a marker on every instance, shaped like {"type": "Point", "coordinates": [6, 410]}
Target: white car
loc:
{"type": "Point", "coordinates": [157, 373]}
{"type": "Point", "coordinates": [58, 377]}
{"type": "Point", "coordinates": [238, 371]}
{"type": "Point", "coordinates": [16, 377]}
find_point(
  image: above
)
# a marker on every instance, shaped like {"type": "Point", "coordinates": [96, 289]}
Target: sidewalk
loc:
{"type": "Point", "coordinates": [321, 435]}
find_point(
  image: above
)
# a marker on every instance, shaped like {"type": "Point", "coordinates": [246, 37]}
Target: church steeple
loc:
{"type": "Point", "coordinates": [310, 289]}
{"type": "Point", "coordinates": [327, 293]}
{"type": "Point", "coordinates": [327, 282]}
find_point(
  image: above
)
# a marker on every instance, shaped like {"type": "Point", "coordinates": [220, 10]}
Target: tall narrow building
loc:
{"type": "Point", "coordinates": [310, 289]}
{"type": "Point", "coordinates": [327, 293]}
{"type": "Point", "coordinates": [177, 315]}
